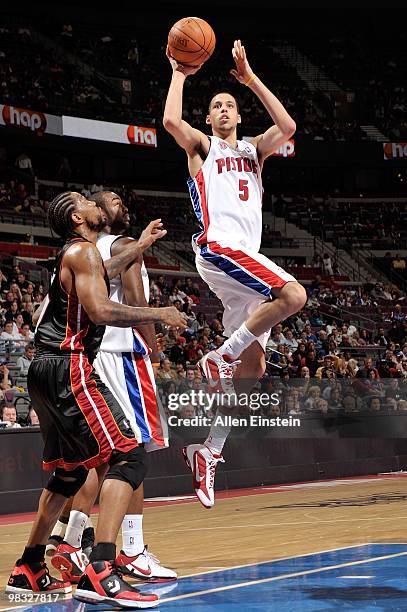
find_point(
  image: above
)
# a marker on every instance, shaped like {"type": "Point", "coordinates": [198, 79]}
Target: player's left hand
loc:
{"type": "Point", "coordinates": [154, 231]}
{"type": "Point", "coordinates": [243, 72]}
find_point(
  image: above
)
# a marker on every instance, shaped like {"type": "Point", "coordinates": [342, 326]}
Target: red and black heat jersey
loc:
{"type": "Point", "coordinates": [64, 326]}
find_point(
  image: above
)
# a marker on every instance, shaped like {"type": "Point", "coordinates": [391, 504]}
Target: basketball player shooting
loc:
{"type": "Point", "coordinates": [226, 191]}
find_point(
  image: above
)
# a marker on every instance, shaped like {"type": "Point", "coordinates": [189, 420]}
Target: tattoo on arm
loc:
{"type": "Point", "coordinates": [121, 261]}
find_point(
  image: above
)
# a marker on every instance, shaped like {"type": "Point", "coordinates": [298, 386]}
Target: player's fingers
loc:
{"type": "Point", "coordinates": [234, 72]}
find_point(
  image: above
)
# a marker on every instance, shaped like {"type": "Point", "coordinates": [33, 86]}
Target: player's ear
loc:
{"type": "Point", "coordinates": [239, 119]}
{"type": "Point", "coordinates": [208, 120]}
{"type": "Point", "coordinates": [76, 218]}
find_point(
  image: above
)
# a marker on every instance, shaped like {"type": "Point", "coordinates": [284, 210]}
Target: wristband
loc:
{"type": "Point", "coordinates": [250, 80]}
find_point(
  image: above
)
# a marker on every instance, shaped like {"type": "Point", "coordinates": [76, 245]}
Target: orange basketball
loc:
{"type": "Point", "coordinates": [191, 41]}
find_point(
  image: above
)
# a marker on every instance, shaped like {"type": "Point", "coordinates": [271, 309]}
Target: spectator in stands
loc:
{"type": "Point", "coordinates": [399, 264]}
{"type": "Point", "coordinates": [189, 383]}
{"type": "Point", "coordinates": [9, 415]}
{"type": "Point", "coordinates": [25, 360]}
{"type": "Point", "coordinates": [398, 316]}
{"type": "Point", "coordinates": [374, 404]}
{"type": "Point", "coordinates": [367, 367]}
{"type": "Point", "coordinates": [199, 324]}
{"type": "Point", "coordinates": [22, 283]}
{"type": "Point", "coordinates": [24, 164]}
{"type": "Point", "coordinates": [193, 351]}
{"type": "Point", "coordinates": [26, 334]}
{"type": "Point", "coordinates": [381, 339]}
{"type": "Point", "coordinates": [165, 372]}
{"type": "Point", "coordinates": [349, 404]}
{"type": "Point", "coordinates": [33, 420]}
{"type": "Point", "coordinates": [327, 369]}
{"type": "Point", "coordinates": [191, 290]}
{"type": "Point", "coordinates": [12, 339]}
{"type": "Point", "coordinates": [6, 382]}
{"type": "Point", "coordinates": [313, 394]}
{"type": "Point", "coordinates": [64, 170]}
{"type": "Point", "coordinates": [327, 265]}
{"type": "Point", "coordinates": [290, 341]}
{"type": "Point", "coordinates": [177, 353]}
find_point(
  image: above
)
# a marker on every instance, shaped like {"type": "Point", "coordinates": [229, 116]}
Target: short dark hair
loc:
{"type": "Point", "coordinates": [99, 198]}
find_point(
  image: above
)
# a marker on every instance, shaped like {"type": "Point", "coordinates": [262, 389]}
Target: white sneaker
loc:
{"type": "Point", "coordinates": [202, 462]}
{"type": "Point", "coordinates": [144, 566]}
{"type": "Point", "coordinates": [219, 371]}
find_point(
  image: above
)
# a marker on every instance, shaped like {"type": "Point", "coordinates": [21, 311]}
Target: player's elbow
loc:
{"type": "Point", "coordinates": [98, 315]}
{"type": "Point", "coordinates": [170, 123]}
{"type": "Point", "coordinates": [290, 128]}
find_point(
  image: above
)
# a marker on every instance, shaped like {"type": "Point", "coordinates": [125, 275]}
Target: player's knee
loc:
{"type": "Point", "coordinates": [67, 483]}
{"type": "Point", "coordinates": [129, 467]}
{"type": "Point", "coordinates": [296, 297]}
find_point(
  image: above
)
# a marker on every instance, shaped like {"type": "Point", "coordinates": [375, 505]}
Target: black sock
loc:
{"type": "Point", "coordinates": [34, 554]}
{"type": "Point", "coordinates": [104, 551]}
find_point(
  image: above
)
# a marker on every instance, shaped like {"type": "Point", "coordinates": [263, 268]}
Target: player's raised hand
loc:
{"type": "Point", "coordinates": [177, 67]}
{"type": "Point", "coordinates": [150, 234]}
{"type": "Point", "coordinates": [242, 72]}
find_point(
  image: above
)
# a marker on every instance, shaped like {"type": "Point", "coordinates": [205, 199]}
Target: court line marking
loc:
{"type": "Point", "coordinates": [355, 577]}
{"type": "Point", "coordinates": [278, 578]}
{"type": "Point", "coordinates": [279, 524]}
{"type": "Point", "coordinates": [317, 552]}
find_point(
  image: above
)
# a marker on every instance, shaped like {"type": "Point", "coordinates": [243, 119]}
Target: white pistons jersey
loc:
{"type": "Point", "coordinates": [121, 339]}
{"type": "Point", "coordinates": [227, 195]}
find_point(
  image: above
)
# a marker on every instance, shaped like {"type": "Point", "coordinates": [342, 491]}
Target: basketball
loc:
{"type": "Point", "coordinates": [191, 41]}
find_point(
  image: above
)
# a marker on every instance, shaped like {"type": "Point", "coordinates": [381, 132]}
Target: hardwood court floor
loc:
{"type": "Point", "coordinates": [262, 524]}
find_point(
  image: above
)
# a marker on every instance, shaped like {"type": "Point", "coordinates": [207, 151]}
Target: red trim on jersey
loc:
{"type": "Point", "coordinates": [150, 402]}
{"type": "Point", "coordinates": [200, 183]}
{"type": "Point", "coordinates": [243, 260]}
{"type": "Point", "coordinates": [73, 330]}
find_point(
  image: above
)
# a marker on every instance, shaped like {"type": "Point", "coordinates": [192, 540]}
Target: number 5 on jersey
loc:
{"type": "Point", "coordinates": [243, 190]}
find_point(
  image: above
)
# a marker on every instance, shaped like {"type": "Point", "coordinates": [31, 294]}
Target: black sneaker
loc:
{"type": "Point", "coordinates": [88, 541]}
{"type": "Point", "coordinates": [35, 578]}
{"type": "Point", "coordinates": [101, 582]}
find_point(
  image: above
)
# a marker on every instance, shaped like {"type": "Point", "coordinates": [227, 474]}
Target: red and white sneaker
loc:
{"type": "Point", "coordinates": [144, 566]}
{"type": "Point", "coordinates": [35, 578]}
{"type": "Point", "coordinates": [218, 370]}
{"type": "Point", "coordinates": [202, 462]}
{"type": "Point", "coordinates": [70, 561]}
{"type": "Point", "coordinates": [102, 583]}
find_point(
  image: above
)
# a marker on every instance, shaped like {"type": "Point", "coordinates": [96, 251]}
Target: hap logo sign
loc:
{"type": "Point", "coordinates": [395, 150]}
{"type": "Point", "coordinates": [139, 135]}
{"type": "Point", "coordinates": [286, 150]}
{"type": "Point", "coordinates": [26, 119]}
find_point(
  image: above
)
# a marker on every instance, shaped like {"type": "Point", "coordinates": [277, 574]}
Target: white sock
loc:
{"type": "Point", "coordinates": [59, 529]}
{"type": "Point", "coordinates": [217, 436]}
{"type": "Point", "coordinates": [76, 525]}
{"type": "Point", "coordinates": [238, 342]}
{"type": "Point", "coordinates": [89, 523]}
{"type": "Point", "coordinates": [132, 534]}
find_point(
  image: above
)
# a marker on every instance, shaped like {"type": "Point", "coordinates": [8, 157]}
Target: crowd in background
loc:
{"type": "Point", "coordinates": [77, 68]}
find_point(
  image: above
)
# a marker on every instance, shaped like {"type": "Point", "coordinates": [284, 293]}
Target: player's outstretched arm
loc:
{"type": "Point", "coordinates": [133, 288]}
{"type": "Point", "coordinates": [284, 126]}
{"type": "Point", "coordinates": [185, 135]}
{"type": "Point", "coordinates": [133, 250]}
{"type": "Point", "coordinates": [83, 264]}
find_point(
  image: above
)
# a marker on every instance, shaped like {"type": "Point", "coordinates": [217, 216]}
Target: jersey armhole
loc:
{"type": "Point", "coordinates": [115, 240]}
